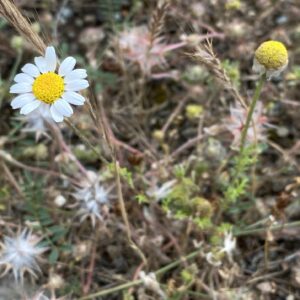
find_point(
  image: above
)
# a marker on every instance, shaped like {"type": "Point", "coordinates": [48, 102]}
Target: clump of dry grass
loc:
{"type": "Point", "coordinates": [157, 21]}
{"type": "Point", "coordinates": [13, 15]}
{"type": "Point", "coordinates": [205, 55]}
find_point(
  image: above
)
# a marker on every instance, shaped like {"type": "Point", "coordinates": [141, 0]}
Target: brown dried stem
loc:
{"type": "Point", "coordinates": [157, 21]}
{"type": "Point", "coordinates": [205, 55]}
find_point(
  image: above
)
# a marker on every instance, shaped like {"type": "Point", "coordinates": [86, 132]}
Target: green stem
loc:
{"type": "Point", "coordinates": [264, 229]}
{"type": "Point", "coordinates": [12, 75]}
{"type": "Point", "coordinates": [251, 110]}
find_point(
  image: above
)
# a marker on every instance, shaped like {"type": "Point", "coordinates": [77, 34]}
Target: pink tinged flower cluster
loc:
{"type": "Point", "coordinates": [136, 45]}
{"type": "Point", "coordinates": [235, 124]}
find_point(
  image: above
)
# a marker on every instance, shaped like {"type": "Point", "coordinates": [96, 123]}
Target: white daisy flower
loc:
{"type": "Point", "coordinates": [20, 254]}
{"type": "Point", "coordinates": [41, 88]}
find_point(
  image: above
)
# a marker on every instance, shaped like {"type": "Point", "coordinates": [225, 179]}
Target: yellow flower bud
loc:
{"type": "Point", "coordinates": [233, 4]}
{"type": "Point", "coordinates": [17, 42]}
{"type": "Point", "coordinates": [270, 57]}
{"type": "Point", "coordinates": [193, 111]}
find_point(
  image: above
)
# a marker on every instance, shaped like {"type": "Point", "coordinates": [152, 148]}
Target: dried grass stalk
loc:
{"type": "Point", "coordinates": [157, 20]}
{"type": "Point", "coordinates": [13, 15]}
{"type": "Point", "coordinates": [205, 55]}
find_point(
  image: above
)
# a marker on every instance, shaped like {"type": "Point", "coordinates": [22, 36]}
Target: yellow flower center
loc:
{"type": "Point", "coordinates": [48, 87]}
{"type": "Point", "coordinates": [272, 55]}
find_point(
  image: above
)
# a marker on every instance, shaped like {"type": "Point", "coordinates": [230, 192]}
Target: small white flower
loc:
{"type": "Point", "coordinates": [41, 88]}
{"type": "Point", "coordinates": [20, 254]}
{"type": "Point", "coordinates": [93, 201]}
{"type": "Point", "coordinates": [151, 283]}
{"type": "Point", "coordinates": [229, 244]}
{"type": "Point", "coordinates": [36, 122]}
{"type": "Point", "coordinates": [159, 193]}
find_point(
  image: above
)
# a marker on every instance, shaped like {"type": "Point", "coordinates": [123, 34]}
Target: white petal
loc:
{"type": "Point", "coordinates": [28, 108]}
{"type": "Point", "coordinates": [63, 107]}
{"type": "Point", "coordinates": [50, 58]}
{"type": "Point", "coordinates": [41, 64]}
{"type": "Point", "coordinates": [22, 100]}
{"type": "Point", "coordinates": [44, 111]}
{"type": "Point", "coordinates": [67, 66]}
{"type": "Point", "coordinates": [20, 88]}
{"type": "Point", "coordinates": [31, 70]}
{"type": "Point", "coordinates": [73, 98]}
{"type": "Point", "coordinates": [23, 78]}
{"type": "Point", "coordinates": [77, 85]}
{"type": "Point", "coordinates": [57, 117]}
{"type": "Point", "coordinates": [75, 75]}
{"type": "Point", "coordinates": [257, 67]}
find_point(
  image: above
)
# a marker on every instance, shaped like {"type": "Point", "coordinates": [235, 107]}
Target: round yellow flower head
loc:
{"type": "Point", "coordinates": [270, 57]}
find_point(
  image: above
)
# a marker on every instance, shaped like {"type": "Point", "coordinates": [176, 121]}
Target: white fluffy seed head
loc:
{"type": "Point", "coordinates": [21, 254]}
{"type": "Point", "coordinates": [91, 201]}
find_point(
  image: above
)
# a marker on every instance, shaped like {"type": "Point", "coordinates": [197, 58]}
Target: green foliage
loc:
{"type": "Point", "coordinates": [86, 154]}
{"type": "Point", "coordinates": [233, 4]}
{"type": "Point", "coordinates": [233, 71]}
{"type": "Point", "coordinates": [3, 23]}
{"type": "Point", "coordinates": [4, 193]}
{"type": "Point", "coordinates": [37, 213]}
{"type": "Point", "coordinates": [183, 204]}
{"type": "Point", "coordinates": [294, 75]}
{"type": "Point", "coordinates": [125, 174]}
{"type": "Point", "coordinates": [36, 152]}
{"type": "Point", "coordinates": [216, 239]}
{"type": "Point", "coordinates": [203, 222]}
{"type": "Point", "coordinates": [239, 174]}
{"type": "Point", "coordinates": [141, 199]}
{"type": "Point", "coordinates": [195, 74]}
{"type": "Point", "coordinates": [101, 78]}
{"type": "Point", "coordinates": [189, 274]}
{"type": "Point", "coordinates": [110, 10]}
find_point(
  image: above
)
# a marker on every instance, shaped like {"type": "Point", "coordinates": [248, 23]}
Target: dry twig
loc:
{"type": "Point", "coordinates": [205, 55]}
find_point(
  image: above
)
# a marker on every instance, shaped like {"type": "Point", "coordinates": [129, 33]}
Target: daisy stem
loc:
{"type": "Point", "coordinates": [251, 110]}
